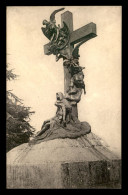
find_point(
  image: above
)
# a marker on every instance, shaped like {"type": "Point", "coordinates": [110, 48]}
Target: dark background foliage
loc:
{"type": "Point", "coordinates": [18, 128]}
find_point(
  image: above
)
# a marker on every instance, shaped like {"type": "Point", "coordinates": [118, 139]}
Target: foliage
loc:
{"type": "Point", "coordinates": [18, 129]}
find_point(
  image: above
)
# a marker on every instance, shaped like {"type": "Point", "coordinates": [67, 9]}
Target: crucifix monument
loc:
{"type": "Point", "coordinates": [65, 153]}
{"type": "Point", "coordinates": [64, 43]}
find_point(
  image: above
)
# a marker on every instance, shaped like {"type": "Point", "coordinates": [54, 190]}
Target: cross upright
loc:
{"type": "Point", "coordinates": [80, 35]}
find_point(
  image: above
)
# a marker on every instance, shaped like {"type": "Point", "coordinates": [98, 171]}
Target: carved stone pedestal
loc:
{"type": "Point", "coordinates": [85, 162]}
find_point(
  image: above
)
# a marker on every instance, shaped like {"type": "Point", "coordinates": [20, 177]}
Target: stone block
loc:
{"type": "Point", "coordinates": [63, 164]}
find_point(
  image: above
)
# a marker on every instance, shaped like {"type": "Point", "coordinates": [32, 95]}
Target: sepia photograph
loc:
{"type": "Point", "coordinates": [63, 97]}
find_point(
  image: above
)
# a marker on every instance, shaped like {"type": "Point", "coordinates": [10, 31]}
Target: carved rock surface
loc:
{"type": "Point", "coordinates": [85, 162]}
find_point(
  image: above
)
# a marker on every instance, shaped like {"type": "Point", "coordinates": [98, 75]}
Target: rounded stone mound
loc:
{"type": "Point", "coordinates": [62, 163]}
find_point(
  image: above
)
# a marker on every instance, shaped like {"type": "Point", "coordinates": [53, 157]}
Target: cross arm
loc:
{"type": "Point", "coordinates": [84, 33]}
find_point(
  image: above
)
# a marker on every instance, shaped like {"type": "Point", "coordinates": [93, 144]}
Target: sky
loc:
{"type": "Point", "coordinates": [40, 76]}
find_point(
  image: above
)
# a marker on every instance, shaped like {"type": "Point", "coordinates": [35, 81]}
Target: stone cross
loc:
{"type": "Point", "coordinates": [84, 33]}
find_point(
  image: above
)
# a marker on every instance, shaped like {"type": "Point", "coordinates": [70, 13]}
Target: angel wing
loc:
{"type": "Point", "coordinates": [52, 16]}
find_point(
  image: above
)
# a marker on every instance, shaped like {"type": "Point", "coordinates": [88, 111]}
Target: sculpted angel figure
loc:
{"type": "Point", "coordinates": [59, 37]}
{"type": "Point", "coordinates": [51, 31]}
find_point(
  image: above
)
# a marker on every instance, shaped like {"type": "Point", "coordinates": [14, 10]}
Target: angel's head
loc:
{"type": "Point", "coordinates": [45, 22]}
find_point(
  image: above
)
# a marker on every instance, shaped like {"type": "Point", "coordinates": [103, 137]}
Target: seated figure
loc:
{"type": "Point", "coordinates": [63, 107]}
{"type": "Point", "coordinates": [63, 114]}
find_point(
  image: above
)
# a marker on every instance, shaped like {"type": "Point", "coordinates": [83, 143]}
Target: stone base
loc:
{"type": "Point", "coordinates": [85, 162]}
